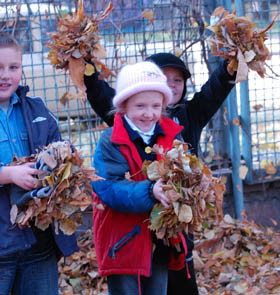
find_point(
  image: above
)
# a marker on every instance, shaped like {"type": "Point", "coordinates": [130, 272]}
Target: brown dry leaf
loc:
{"type": "Point", "coordinates": [270, 168]}
{"type": "Point", "coordinates": [81, 95]}
{"type": "Point", "coordinates": [178, 51]}
{"type": "Point", "coordinates": [65, 97]}
{"type": "Point", "coordinates": [76, 70]}
{"type": "Point", "coordinates": [99, 51]}
{"type": "Point", "coordinates": [153, 171]}
{"type": "Point", "coordinates": [106, 11]}
{"type": "Point", "coordinates": [173, 195]}
{"type": "Point", "coordinates": [185, 214]}
{"type": "Point", "coordinates": [257, 107]}
{"type": "Point", "coordinates": [219, 11]}
{"type": "Point", "coordinates": [103, 70]}
{"type": "Point", "coordinates": [11, 23]}
{"type": "Point", "coordinates": [275, 223]}
{"type": "Point", "coordinates": [13, 213]}
{"type": "Point", "coordinates": [67, 226]}
{"type": "Point", "coordinates": [238, 187]}
{"type": "Point", "coordinates": [242, 68]}
{"type": "Point", "coordinates": [225, 116]}
{"type": "Point", "coordinates": [149, 15]}
{"type": "Point", "coordinates": [121, 40]}
{"type": "Point", "coordinates": [243, 170]}
{"type": "Point", "coordinates": [49, 160]}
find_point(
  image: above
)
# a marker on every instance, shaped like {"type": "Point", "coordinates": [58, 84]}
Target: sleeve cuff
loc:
{"type": "Point", "coordinates": [151, 187]}
{"type": "Point", "coordinates": [1, 166]}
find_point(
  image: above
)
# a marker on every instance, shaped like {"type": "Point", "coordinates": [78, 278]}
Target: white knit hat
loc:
{"type": "Point", "coordinates": [139, 77]}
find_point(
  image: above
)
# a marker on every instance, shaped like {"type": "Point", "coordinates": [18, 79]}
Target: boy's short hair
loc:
{"type": "Point", "coordinates": [7, 40]}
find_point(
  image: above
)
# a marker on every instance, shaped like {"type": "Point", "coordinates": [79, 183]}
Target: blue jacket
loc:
{"type": "Point", "coordinates": [42, 129]}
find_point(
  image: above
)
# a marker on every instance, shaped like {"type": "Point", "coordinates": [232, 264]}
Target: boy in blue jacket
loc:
{"type": "Point", "coordinates": [28, 256]}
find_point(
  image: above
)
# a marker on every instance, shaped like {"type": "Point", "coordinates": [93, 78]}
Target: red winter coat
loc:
{"type": "Point", "coordinates": [122, 239]}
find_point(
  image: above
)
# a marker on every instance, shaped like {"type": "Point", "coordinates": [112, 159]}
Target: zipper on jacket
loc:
{"type": "Point", "coordinates": [127, 238]}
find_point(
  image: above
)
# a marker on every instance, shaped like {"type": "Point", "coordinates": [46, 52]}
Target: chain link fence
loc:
{"type": "Point", "coordinates": [264, 99]}
{"type": "Point", "coordinates": [178, 27]}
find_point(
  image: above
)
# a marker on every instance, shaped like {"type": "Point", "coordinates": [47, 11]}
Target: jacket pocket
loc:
{"type": "Point", "coordinates": [123, 241]}
{"type": "Point", "coordinates": [24, 141]}
{"type": "Point", "coordinates": [5, 147]}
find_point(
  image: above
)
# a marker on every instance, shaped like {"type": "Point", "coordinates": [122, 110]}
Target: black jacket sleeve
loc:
{"type": "Point", "coordinates": [100, 96]}
{"type": "Point", "coordinates": [211, 96]}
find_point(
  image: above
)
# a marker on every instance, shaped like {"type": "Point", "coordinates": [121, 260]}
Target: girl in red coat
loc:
{"type": "Point", "coordinates": [134, 261]}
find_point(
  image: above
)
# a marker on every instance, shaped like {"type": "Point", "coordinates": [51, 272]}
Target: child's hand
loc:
{"type": "Point", "coordinates": [22, 176]}
{"type": "Point", "coordinates": [160, 195]}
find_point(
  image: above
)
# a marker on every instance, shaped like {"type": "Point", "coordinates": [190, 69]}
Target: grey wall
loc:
{"type": "Point", "coordinates": [261, 202]}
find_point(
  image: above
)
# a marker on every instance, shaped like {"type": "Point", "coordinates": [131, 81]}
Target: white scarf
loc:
{"type": "Point", "coordinates": [146, 136]}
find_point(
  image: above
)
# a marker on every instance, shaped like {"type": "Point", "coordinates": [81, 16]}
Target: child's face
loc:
{"type": "Point", "coordinates": [175, 81]}
{"type": "Point", "coordinates": [144, 109]}
{"type": "Point", "coordinates": [10, 72]}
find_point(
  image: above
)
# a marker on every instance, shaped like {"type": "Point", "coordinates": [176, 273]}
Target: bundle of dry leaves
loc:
{"type": "Point", "coordinates": [236, 39]}
{"type": "Point", "coordinates": [194, 193]}
{"type": "Point", "coordinates": [76, 42]}
{"type": "Point", "coordinates": [68, 182]}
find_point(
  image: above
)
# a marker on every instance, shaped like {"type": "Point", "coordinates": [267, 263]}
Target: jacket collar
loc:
{"type": "Point", "coordinates": [120, 134]}
{"type": "Point", "coordinates": [21, 92]}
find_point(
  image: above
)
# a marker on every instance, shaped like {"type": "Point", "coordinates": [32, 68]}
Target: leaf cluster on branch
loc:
{"type": "Point", "coordinates": [68, 184]}
{"type": "Point", "coordinates": [194, 193]}
{"type": "Point", "coordinates": [236, 39]}
{"type": "Point", "coordinates": [76, 44]}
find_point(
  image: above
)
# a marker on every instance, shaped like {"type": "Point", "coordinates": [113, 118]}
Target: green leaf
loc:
{"type": "Point", "coordinates": [156, 211]}
{"type": "Point", "coordinates": [63, 12]}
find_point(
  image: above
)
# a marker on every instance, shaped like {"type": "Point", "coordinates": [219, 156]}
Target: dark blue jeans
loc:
{"type": "Point", "coordinates": [128, 284]}
{"type": "Point", "coordinates": [29, 272]}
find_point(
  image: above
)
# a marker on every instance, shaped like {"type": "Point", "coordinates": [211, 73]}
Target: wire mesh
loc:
{"type": "Point", "coordinates": [264, 96]}
{"type": "Point", "coordinates": [178, 27]}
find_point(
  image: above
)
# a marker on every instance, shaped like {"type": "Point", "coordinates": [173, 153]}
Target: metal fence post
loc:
{"type": "Point", "coordinates": [233, 133]}
{"type": "Point", "coordinates": [245, 111]}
